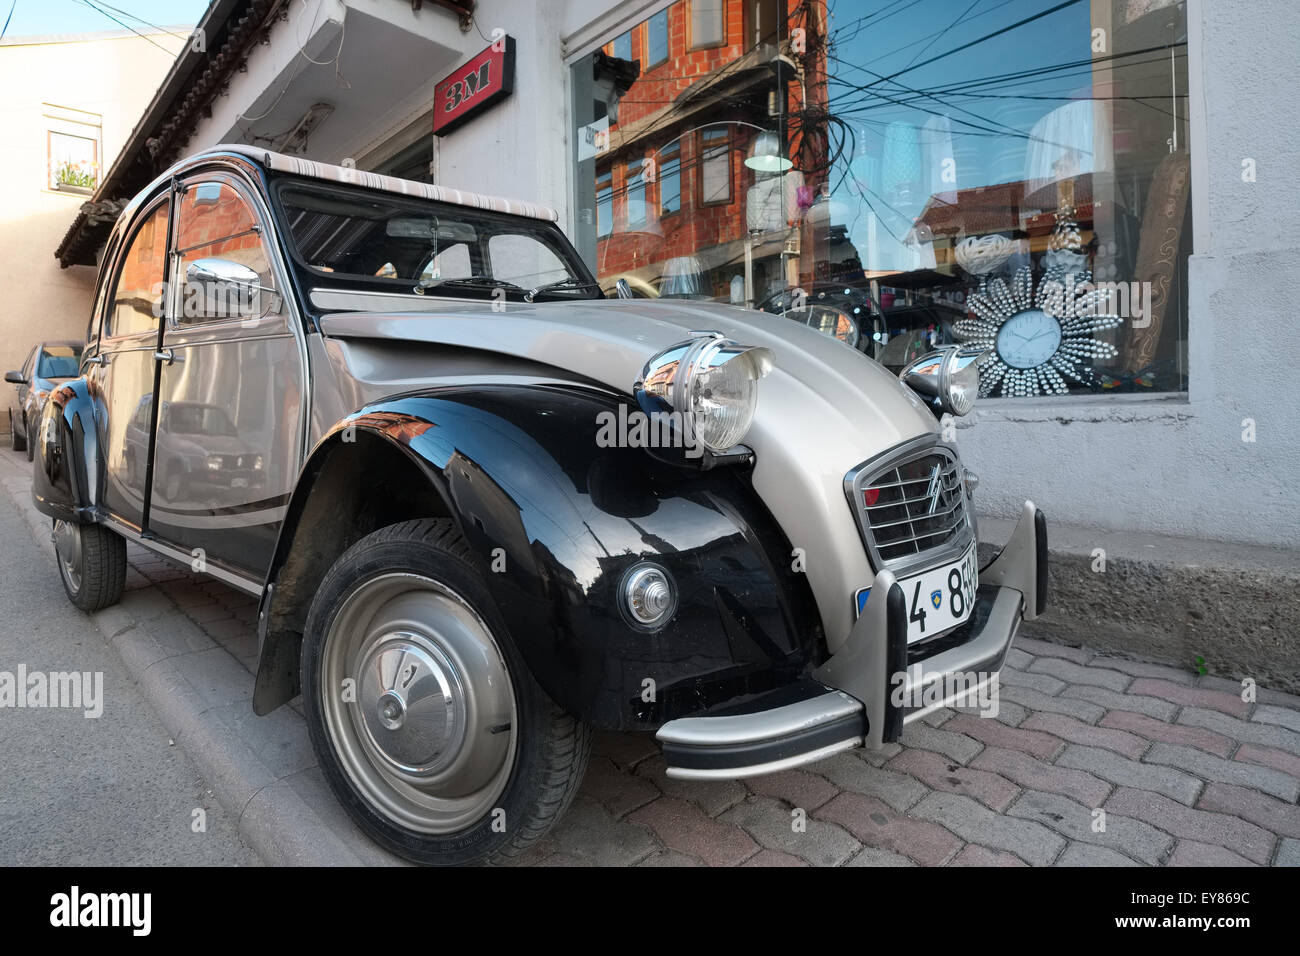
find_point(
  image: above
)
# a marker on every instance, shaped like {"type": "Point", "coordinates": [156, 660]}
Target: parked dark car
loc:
{"type": "Point", "coordinates": [497, 510]}
{"type": "Point", "coordinates": [48, 364]}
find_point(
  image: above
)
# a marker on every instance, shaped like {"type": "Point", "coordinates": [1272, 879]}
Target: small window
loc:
{"type": "Point", "coordinates": [715, 166]}
{"type": "Point", "coordinates": [708, 23]}
{"type": "Point", "coordinates": [138, 296]}
{"type": "Point", "coordinates": [72, 142]}
{"type": "Point", "coordinates": [451, 262]}
{"type": "Point", "coordinates": [634, 189]}
{"type": "Point", "coordinates": [523, 261]}
{"type": "Point", "coordinates": [670, 178]}
{"type": "Point", "coordinates": [216, 223]}
{"type": "Point", "coordinates": [623, 46]}
{"type": "Point", "coordinates": [604, 204]}
{"type": "Point", "coordinates": [657, 39]}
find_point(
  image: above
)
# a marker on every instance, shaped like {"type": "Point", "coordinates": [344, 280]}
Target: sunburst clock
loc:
{"type": "Point", "coordinates": [1041, 338]}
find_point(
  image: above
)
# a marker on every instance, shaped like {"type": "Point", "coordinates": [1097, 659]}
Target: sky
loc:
{"type": "Point", "coordinates": [42, 17]}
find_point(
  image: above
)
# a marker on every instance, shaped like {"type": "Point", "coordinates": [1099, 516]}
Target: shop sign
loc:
{"type": "Point", "coordinates": [474, 86]}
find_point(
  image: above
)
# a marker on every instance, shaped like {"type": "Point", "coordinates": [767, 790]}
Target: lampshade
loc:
{"type": "Point", "coordinates": [766, 155]}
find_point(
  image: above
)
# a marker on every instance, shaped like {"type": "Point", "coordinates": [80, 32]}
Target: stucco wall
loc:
{"type": "Point", "coordinates": [112, 76]}
{"type": "Point", "coordinates": [1180, 466]}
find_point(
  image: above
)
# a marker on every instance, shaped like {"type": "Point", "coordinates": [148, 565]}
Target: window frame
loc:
{"type": "Point", "coordinates": [609, 188]}
{"type": "Point", "coordinates": [108, 335]}
{"type": "Point", "coordinates": [691, 45]}
{"type": "Point", "coordinates": [642, 187]}
{"type": "Point", "coordinates": [668, 40]}
{"type": "Point", "coordinates": [703, 159]}
{"type": "Point", "coordinates": [677, 173]}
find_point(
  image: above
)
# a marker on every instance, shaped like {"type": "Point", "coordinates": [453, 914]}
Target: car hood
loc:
{"type": "Point", "coordinates": [822, 410]}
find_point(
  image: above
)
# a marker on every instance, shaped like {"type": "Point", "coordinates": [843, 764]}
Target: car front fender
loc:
{"type": "Point", "coordinates": [66, 474]}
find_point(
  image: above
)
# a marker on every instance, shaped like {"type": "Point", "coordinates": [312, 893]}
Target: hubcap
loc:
{"type": "Point", "coordinates": [418, 703]}
{"type": "Point", "coordinates": [67, 546]}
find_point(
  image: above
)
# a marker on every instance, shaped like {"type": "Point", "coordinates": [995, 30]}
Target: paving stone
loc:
{"type": "Point", "coordinates": [937, 718]}
{"type": "Point", "coordinates": [1071, 673]}
{"type": "Point", "coordinates": [626, 750]}
{"type": "Point", "coordinates": [1130, 773]}
{"type": "Point", "coordinates": [878, 758]}
{"type": "Point", "coordinates": [1183, 822]}
{"type": "Point", "coordinates": [847, 772]}
{"type": "Point", "coordinates": [1077, 732]}
{"type": "Point", "coordinates": [1282, 818]}
{"type": "Point", "coordinates": [1269, 757]}
{"type": "Point", "coordinates": [771, 824]}
{"type": "Point", "coordinates": [939, 773]}
{"type": "Point", "coordinates": [1085, 854]}
{"type": "Point", "coordinates": [683, 827]}
{"type": "Point", "coordinates": [773, 858]}
{"type": "Point", "coordinates": [1145, 669]}
{"type": "Point", "coordinates": [1153, 729]}
{"type": "Point", "coordinates": [1191, 696]}
{"type": "Point", "coordinates": [974, 855]}
{"type": "Point", "coordinates": [1075, 821]}
{"type": "Point", "coordinates": [1112, 700]}
{"type": "Point", "coordinates": [588, 832]}
{"type": "Point", "coordinates": [1035, 700]}
{"type": "Point", "coordinates": [712, 796]}
{"type": "Point", "coordinates": [874, 856]}
{"type": "Point", "coordinates": [875, 824]}
{"type": "Point", "coordinates": [1191, 853]}
{"type": "Point", "coordinates": [1080, 655]}
{"type": "Point", "coordinates": [1266, 735]}
{"type": "Point", "coordinates": [1288, 853]}
{"type": "Point", "coordinates": [1282, 716]}
{"type": "Point", "coordinates": [1209, 767]}
{"type": "Point", "coordinates": [974, 823]}
{"type": "Point", "coordinates": [957, 746]}
{"type": "Point", "coordinates": [798, 788]}
{"type": "Point", "coordinates": [1045, 683]}
{"type": "Point", "coordinates": [1019, 659]}
{"type": "Point", "coordinates": [669, 858]}
{"type": "Point", "coordinates": [1036, 775]}
{"type": "Point", "coordinates": [996, 734]}
{"type": "Point", "coordinates": [617, 790]}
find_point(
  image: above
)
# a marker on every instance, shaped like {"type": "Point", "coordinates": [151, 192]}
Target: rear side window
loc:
{"type": "Point", "coordinates": [59, 361]}
{"type": "Point", "coordinates": [138, 296]}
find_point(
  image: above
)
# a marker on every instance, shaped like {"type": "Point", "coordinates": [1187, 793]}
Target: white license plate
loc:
{"type": "Point", "coordinates": [937, 599]}
{"type": "Point", "coordinates": [238, 482]}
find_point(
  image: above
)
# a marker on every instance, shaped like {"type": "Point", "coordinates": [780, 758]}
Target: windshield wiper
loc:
{"type": "Point", "coordinates": [469, 282]}
{"type": "Point", "coordinates": [575, 282]}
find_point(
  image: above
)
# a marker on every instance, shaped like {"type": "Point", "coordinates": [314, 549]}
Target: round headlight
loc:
{"type": "Point", "coordinates": [951, 376]}
{"type": "Point", "coordinates": [712, 381]}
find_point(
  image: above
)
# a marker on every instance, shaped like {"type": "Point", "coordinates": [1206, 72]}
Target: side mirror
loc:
{"type": "Point", "coordinates": [228, 289]}
{"type": "Point", "coordinates": [15, 377]}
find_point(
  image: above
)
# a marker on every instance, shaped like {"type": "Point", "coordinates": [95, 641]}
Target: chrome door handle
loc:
{"type": "Point", "coordinates": [167, 355]}
{"type": "Point", "coordinates": [97, 360]}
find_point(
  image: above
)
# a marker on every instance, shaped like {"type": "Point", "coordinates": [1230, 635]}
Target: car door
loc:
{"type": "Point", "coordinates": [122, 375]}
{"type": "Point", "coordinates": [227, 447]}
{"type": "Point", "coordinates": [20, 394]}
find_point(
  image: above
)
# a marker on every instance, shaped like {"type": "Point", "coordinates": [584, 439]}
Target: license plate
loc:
{"type": "Point", "coordinates": [938, 599]}
{"type": "Point", "coordinates": [238, 482]}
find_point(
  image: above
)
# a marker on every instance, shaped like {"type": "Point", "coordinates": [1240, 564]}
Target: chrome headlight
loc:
{"type": "Point", "coordinates": [951, 376]}
{"type": "Point", "coordinates": [712, 382]}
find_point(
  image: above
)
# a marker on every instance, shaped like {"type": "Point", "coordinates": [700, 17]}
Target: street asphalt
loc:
{"type": "Point", "coordinates": [110, 790]}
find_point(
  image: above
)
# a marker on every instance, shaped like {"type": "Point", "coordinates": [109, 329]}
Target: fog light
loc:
{"type": "Point", "coordinates": [648, 596]}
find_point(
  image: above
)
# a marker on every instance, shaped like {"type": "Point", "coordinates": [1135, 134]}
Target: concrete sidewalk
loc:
{"type": "Point", "coordinates": [1092, 760]}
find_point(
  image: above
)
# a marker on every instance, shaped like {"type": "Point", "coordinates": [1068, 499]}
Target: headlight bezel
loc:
{"type": "Point", "coordinates": [948, 377]}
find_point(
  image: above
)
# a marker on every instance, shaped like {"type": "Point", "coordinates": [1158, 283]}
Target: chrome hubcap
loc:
{"type": "Point", "coordinates": [67, 546]}
{"type": "Point", "coordinates": [418, 703]}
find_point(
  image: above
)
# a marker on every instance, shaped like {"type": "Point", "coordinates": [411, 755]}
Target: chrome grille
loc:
{"type": "Point", "coordinates": [912, 507]}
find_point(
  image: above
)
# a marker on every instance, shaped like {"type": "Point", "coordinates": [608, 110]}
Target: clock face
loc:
{"type": "Point", "coordinates": [1028, 339]}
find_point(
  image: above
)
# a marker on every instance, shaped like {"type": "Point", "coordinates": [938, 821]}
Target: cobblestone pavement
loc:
{"type": "Point", "coordinates": [1185, 772]}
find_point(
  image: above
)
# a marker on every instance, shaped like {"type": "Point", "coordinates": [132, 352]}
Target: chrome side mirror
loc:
{"type": "Point", "coordinates": [16, 378]}
{"type": "Point", "coordinates": [227, 290]}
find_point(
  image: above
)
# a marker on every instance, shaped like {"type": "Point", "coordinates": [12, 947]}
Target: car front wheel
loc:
{"type": "Point", "coordinates": [27, 440]}
{"type": "Point", "coordinates": [16, 441]}
{"type": "Point", "coordinates": [425, 719]}
{"type": "Point", "coordinates": [92, 563]}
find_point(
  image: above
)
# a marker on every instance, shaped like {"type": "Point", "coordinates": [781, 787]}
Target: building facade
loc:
{"type": "Point", "coordinates": [1096, 191]}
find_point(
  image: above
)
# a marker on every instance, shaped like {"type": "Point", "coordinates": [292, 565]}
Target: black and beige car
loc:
{"type": "Point", "coordinates": [496, 510]}
{"type": "Point", "coordinates": [48, 365]}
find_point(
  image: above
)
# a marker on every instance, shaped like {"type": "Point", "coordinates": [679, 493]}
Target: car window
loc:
{"type": "Point", "coordinates": [451, 262]}
{"type": "Point", "coordinates": [138, 296]}
{"type": "Point", "coordinates": [28, 362]}
{"type": "Point", "coordinates": [216, 223]}
{"type": "Point", "coordinates": [524, 261]}
{"type": "Point", "coordinates": [59, 361]}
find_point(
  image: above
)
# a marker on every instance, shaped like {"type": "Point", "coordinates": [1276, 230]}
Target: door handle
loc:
{"type": "Point", "coordinates": [97, 360]}
{"type": "Point", "coordinates": [167, 355]}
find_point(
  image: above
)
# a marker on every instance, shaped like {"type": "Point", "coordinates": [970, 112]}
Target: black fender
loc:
{"type": "Point", "coordinates": [66, 472]}
{"type": "Point", "coordinates": [554, 521]}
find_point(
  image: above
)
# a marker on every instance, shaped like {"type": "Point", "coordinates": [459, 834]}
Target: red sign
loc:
{"type": "Point", "coordinates": [474, 86]}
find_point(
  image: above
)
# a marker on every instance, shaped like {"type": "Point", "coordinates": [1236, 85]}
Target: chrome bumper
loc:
{"type": "Point", "coordinates": [860, 694]}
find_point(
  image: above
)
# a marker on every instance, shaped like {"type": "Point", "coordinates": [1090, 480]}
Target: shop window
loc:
{"type": "Point", "coordinates": [604, 204]}
{"type": "Point", "coordinates": [715, 165]}
{"type": "Point", "coordinates": [708, 23]}
{"type": "Point", "coordinates": [635, 193]}
{"type": "Point", "coordinates": [670, 178]}
{"type": "Point", "coordinates": [657, 39]}
{"type": "Point", "coordinates": [73, 149]}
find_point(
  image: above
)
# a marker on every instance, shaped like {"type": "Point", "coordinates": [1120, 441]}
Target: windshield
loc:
{"type": "Point", "coordinates": [437, 248]}
{"type": "Point", "coordinates": [58, 361]}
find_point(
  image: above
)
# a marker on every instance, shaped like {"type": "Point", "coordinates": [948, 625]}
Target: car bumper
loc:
{"type": "Point", "coordinates": [876, 683]}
